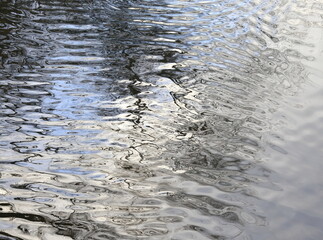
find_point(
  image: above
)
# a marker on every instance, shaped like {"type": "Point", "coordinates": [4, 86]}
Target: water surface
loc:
{"type": "Point", "coordinates": [171, 119]}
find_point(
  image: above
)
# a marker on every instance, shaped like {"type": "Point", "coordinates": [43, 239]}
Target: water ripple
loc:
{"type": "Point", "coordinates": [149, 119]}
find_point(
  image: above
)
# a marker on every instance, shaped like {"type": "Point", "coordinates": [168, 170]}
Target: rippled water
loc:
{"type": "Point", "coordinates": [173, 119]}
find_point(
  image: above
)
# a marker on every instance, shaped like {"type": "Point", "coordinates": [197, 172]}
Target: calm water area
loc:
{"type": "Point", "coordinates": [161, 119]}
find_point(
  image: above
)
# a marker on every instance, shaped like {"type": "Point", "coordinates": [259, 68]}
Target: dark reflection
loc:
{"type": "Point", "coordinates": [140, 119]}
{"type": "Point", "coordinates": [80, 226]}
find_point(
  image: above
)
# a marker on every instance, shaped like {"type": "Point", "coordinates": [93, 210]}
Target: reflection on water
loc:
{"type": "Point", "coordinates": [158, 119]}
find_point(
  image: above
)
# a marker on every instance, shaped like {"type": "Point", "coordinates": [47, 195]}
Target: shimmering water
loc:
{"type": "Point", "coordinates": [169, 119]}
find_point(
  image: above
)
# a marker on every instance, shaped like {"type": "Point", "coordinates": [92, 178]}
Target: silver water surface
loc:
{"type": "Point", "coordinates": [171, 119]}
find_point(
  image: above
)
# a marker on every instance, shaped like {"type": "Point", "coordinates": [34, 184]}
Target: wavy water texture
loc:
{"type": "Point", "coordinates": [146, 119]}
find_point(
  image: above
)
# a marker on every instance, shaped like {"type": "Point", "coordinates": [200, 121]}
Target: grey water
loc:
{"type": "Point", "coordinates": [168, 119]}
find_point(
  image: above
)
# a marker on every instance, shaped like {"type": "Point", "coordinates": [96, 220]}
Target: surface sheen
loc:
{"type": "Point", "coordinates": [173, 119]}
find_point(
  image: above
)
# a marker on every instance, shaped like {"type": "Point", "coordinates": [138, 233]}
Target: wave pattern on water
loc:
{"type": "Point", "coordinates": [143, 119]}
